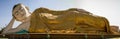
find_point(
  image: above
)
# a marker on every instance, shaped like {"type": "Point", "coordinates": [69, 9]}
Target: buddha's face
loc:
{"type": "Point", "coordinates": [19, 12]}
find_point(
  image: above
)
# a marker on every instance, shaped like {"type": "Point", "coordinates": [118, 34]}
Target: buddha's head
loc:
{"type": "Point", "coordinates": [20, 12]}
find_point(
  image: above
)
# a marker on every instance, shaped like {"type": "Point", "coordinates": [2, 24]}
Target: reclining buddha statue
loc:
{"type": "Point", "coordinates": [44, 20]}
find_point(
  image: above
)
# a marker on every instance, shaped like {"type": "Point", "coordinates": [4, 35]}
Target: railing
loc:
{"type": "Point", "coordinates": [58, 36]}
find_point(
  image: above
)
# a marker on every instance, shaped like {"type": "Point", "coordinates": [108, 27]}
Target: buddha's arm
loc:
{"type": "Point", "coordinates": [22, 26]}
{"type": "Point", "coordinates": [9, 26]}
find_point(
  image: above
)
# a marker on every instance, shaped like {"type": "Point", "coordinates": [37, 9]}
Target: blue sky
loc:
{"type": "Point", "coordinates": [106, 8]}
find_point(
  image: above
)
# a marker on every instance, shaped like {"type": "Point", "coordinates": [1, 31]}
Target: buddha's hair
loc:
{"type": "Point", "coordinates": [19, 5]}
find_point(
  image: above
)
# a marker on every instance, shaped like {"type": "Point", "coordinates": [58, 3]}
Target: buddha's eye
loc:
{"type": "Point", "coordinates": [22, 10]}
{"type": "Point", "coordinates": [16, 13]}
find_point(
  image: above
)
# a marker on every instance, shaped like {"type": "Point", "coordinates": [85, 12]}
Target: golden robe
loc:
{"type": "Point", "coordinates": [74, 19]}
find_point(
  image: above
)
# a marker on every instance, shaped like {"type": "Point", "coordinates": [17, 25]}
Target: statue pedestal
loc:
{"type": "Point", "coordinates": [57, 36]}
